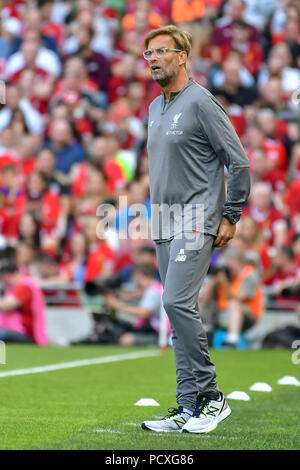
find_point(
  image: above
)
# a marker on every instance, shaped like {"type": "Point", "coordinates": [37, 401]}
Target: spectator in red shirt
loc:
{"type": "Point", "coordinates": [102, 153]}
{"type": "Point", "coordinates": [275, 137]}
{"type": "Point", "coordinates": [251, 53]}
{"type": "Point", "coordinates": [290, 35]}
{"type": "Point", "coordinates": [285, 269]}
{"type": "Point", "coordinates": [137, 100]}
{"type": "Point", "coordinates": [25, 150]}
{"type": "Point", "coordinates": [33, 21]}
{"type": "Point", "coordinates": [12, 204]}
{"type": "Point", "coordinates": [22, 307]}
{"type": "Point", "coordinates": [292, 199]}
{"type": "Point", "coordinates": [29, 230]}
{"type": "Point", "coordinates": [49, 27]}
{"type": "Point", "coordinates": [269, 219]}
{"type": "Point", "coordinates": [80, 96]}
{"type": "Point", "coordinates": [95, 191]}
{"type": "Point", "coordinates": [100, 257]}
{"type": "Point", "coordinates": [75, 261]}
{"type": "Point", "coordinates": [8, 154]}
{"type": "Point", "coordinates": [261, 170]}
{"type": "Point", "coordinates": [98, 67]}
{"type": "Point", "coordinates": [32, 55]}
{"type": "Point", "coordinates": [223, 33]}
{"type": "Point", "coordinates": [38, 94]}
{"type": "Point", "coordinates": [295, 162]}
{"type": "Point", "coordinates": [75, 78]}
{"type": "Point", "coordinates": [42, 202]}
{"type": "Point", "coordinates": [256, 138]}
{"type": "Point", "coordinates": [123, 71]}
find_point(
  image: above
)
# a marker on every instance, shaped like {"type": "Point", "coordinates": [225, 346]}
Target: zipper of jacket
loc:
{"type": "Point", "coordinates": [166, 104]}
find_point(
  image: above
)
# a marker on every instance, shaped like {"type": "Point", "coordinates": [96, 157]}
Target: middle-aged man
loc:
{"type": "Point", "coordinates": [190, 139]}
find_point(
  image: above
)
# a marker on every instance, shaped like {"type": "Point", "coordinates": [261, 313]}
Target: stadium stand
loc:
{"type": "Point", "coordinates": [73, 128]}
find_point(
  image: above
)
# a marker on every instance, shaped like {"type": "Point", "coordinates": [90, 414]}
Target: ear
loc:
{"type": "Point", "coordinates": [182, 58]}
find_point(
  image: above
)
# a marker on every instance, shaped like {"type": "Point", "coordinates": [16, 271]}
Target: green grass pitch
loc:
{"type": "Point", "coordinates": [92, 407]}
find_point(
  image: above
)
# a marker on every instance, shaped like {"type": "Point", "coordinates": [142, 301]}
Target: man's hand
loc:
{"type": "Point", "coordinates": [225, 233]}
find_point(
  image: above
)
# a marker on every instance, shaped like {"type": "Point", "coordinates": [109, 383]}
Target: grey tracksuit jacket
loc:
{"type": "Point", "coordinates": [190, 139]}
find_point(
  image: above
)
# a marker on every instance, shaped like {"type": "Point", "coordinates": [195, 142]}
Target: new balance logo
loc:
{"type": "Point", "coordinates": [181, 256]}
{"type": "Point", "coordinates": [151, 123]}
{"type": "Point", "coordinates": [212, 411]}
{"type": "Point", "coordinates": [180, 422]}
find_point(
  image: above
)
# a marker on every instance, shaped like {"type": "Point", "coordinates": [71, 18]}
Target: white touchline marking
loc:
{"type": "Point", "coordinates": [80, 363]}
{"type": "Point", "coordinates": [110, 430]}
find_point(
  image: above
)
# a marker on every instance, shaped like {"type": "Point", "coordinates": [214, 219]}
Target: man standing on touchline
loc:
{"type": "Point", "coordinates": [190, 139]}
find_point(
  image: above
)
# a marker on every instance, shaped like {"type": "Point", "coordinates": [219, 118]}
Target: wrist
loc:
{"type": "Point", "coordinates": [231, 219]}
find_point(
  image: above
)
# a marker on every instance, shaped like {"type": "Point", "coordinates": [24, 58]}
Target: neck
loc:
{"type": "Point", "coordinates": [15, 281]}
{"type": "Point", "coordinates": [85, 51]}
{"type": "Point", "coordinates": [176, 84]}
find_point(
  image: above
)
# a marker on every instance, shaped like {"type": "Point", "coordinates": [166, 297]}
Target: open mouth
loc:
{"type": "Point", "coordinates": [155, 68]}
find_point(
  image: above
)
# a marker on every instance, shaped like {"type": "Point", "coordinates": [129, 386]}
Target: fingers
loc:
{"type": "Point", "coordinates": [221, 240]}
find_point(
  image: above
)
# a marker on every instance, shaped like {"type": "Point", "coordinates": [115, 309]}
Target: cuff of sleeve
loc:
{"type": "Point", "coordinates": [233, 217]}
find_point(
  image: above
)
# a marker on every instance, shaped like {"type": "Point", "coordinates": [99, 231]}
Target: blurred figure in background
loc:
{"type": "Point", "coordinates": [22, 308]}
{"type": "Point", "coordinates": [237, 287]}
{"type": "Point", "coordinates": [146, 313]}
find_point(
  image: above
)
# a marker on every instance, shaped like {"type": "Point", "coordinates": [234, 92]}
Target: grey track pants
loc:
{"type": "Point", "coordinates": [182, 272]}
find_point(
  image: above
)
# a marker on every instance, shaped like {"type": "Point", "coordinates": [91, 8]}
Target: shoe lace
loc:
{"type": "Point", "coordinates": [172, 412]}
{"type": "Point", "coordinates": [201, 405]}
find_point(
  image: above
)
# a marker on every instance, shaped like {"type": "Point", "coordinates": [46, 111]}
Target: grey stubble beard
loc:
{"type": "Point", "coordinates": [163, 79]}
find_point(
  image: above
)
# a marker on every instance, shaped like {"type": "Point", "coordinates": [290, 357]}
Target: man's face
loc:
{"type": "Point", "coordinates": [60, 132]}
{"type": "Point", "coordinates": [8, 279]}
{"type": "Point", "coordinates": [231, 70]}
{"type": "Point", "coordinates": [165, 68]}
{"type": "Point", "coordinates": [236, 9]}
{"type": "Point", "coordinates": [258, 161]}
{"type": "Point", "coordinates": [240, 34]}
{"type": "Point", "coordinates": [46, 162]}
{"type": "Point", "coordinates": [260, 198]}
{"type": "Point", "coordinates": [100, 148]}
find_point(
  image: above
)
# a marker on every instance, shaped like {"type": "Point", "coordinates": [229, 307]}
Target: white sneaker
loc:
{"type": "Point", "coordinates": [208, 414]}
{"type": "Point", "coordinates": [174, 421]}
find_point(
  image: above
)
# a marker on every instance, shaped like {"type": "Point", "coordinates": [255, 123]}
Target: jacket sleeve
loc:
{"type": "Point", "coordinates": [223, 139]}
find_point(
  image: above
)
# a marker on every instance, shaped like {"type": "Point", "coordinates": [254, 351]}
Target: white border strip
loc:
{"type": "Point", "coordinates": [80, 363]}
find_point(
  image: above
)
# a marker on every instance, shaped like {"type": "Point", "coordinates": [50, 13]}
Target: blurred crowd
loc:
{"type": "Point", "coordinates": [73, 130]}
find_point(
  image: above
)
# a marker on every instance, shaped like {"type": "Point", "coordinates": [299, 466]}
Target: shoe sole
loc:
{"type": "Point", "coordinates": [143, 426]}
{"type": "Point", "coordinates": [220, 418]}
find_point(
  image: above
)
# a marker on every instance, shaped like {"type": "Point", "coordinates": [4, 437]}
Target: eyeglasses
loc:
{"type": "Point", "coordinates": [161, 51]}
